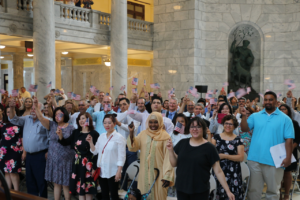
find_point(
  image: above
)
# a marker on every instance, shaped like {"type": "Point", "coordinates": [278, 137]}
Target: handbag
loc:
{"type": "Point", "coordinates": [98, 170]}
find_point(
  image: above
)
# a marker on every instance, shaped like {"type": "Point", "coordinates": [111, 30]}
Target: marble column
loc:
{"type": "Point", "coordinates": [118, 46]}
{"type": "Point", "coordinates": [18, 70]}
{"type": "Point", "coordinates": [58, 70]}
{"type": "Point", "coordinates": [44, 45]}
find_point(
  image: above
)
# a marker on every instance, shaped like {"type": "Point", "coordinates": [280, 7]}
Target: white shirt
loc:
{"type": "Point", "coordinates": [97, 107]}
{"type": "Point", "coordinates": [114, 154]}
{"type": "Point", "coordinates": [72, 120]}
{"type": "Point", "coordinates": [176, 138]}
{"type": "Point", "coordinates": [123, 129]}
{"type": "Point", "coordinates": [142, 118]}
{"type": "Point", "coordinates": [187, 114]}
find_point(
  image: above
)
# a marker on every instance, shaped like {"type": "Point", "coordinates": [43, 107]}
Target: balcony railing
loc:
{"type": "Point", "coordinates": [74, 13]}
{"type": "Point", "coordinates": [77, 16]}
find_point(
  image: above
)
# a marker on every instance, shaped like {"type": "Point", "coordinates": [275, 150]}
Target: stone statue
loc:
{"type": "Point", "coordinates": [242, 59]}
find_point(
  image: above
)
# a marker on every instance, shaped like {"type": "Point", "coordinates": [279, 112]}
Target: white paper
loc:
{"type": "Point", "coordinates": [279, 154]}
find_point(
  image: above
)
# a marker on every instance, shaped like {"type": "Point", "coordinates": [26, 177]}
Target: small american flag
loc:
{"type": "Point", "coordinates": [279, 95]}
{"type": "Point", "coordinates": [225, 84]}
{"type": "Point", "coordinates": [92, 89]}
{"type": "Point", "coordinates": [77, 97]}
{"type": "Point", "coordinates": [87, 122]}
{"type": "Point", "coordinates": [215, 91]}
{"type": "Point", "coordinates": [155, 86]}
{"type": "Point", "coordinates": [73, 96]}
{"type": "Point", "coordinates": [290, 83]}
{"type": "Point", "coordinates": [261, 95]}
{"type": "Point", "coordinates": [134, 81]}
{"type": "Point", "coordinates": [248, 90]}
{"type": "Point", "coordinates": [111, 88]}
{"type": "Point", "coordinates": [163, 114]}
{"type": "Point", "coordinates": [134, 90]}
{"type": "Point", "coordinates": [15, 92]}
{"type": "Point", "coordinates": [60, 116]}
{"type": "Point", "coordinates": [208, 96]}
{"type": "Point", "coordinates": [213, 101]}
{"type": "Point", "coordinates": [193, 90]}
{"type": "Point", "coordinates": [2, 91]}
{"type": "Point", "coordinates": [107, 107]}
{"type": "Point", "coordinates": [144, 82]}
{"type": "Point", "coordinates": [97, 92]}
{"type": "Point", "coordinates": [151, 94]}
{"type": "Point", "coordinates": [69, 94]}
{"type": "Point", "coordinates": [187, 93]}
{"type": "Point", "coordinates": [49, 84]}
{"type": "Point", "coordinates": [32, 88]}
{"type": "Point", "coordinates": [130, 112]}
{"type": "Point", "coordinates": [210, 92]}
{"type": "Point", "coordinates": [123, 88]}
{"type": "Point", "coordinates": [179, 128]}
{"type": "Point", "coordinates": [107, 94]}
{"type": "Point", "coordinates": [57, 91]}
{"type": "Point", "coordinates": [230, 95]}
{"type": "Point", "coordinates": [240, 93]}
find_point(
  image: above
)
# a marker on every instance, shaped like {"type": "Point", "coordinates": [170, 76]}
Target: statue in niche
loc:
{"type": "Point", "coordinates": [242, 57]}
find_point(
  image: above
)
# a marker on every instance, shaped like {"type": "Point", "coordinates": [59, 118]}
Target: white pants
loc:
{"type": "Point", "coordinates": [260, 174]}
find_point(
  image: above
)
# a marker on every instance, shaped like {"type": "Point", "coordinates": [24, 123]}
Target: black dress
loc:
{"type": "Point", "coordinates": [11, 148]}
{"type": "Point", "coordinates": [231, 169]}
{"type": "Point", "coordinates": [81, 181]}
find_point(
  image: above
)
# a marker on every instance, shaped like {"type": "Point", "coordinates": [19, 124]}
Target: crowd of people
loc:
{"type": "Point", "coordinates": [85, 147]}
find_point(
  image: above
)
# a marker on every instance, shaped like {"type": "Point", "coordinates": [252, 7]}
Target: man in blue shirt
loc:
{"type": "Point", "coordinates": [35, 143]}
{"type": "Point", "coordinates": [98, 116]}
{"type": "Point", "coordinates": [270, 127]}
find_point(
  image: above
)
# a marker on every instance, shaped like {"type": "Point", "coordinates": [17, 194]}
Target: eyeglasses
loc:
{"type": "Point", "coordinates": [228, 124]}
{"type": "Point", "coordinates": [195, 127]}
{"type": "Point", "coordinates": [281, 109]}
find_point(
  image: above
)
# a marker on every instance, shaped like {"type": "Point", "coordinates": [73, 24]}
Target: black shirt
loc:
{"type": "Point", "coordinates": [194, 165]}
{"type": "Point", "coordinates": [297, 137]}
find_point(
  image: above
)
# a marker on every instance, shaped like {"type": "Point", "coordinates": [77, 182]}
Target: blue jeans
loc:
{"type": "Point", "coordinates": [35, 174]}
{"type": "Point", "coordinates": [130, 158]}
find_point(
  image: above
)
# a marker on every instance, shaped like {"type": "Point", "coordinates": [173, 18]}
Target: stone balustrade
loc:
{"type": "Point", "coordinates": [74, 13]}
{"type": "Point", "coordinates": [139, 25]}
{"type": "Point", "coordinates": [24, 5]}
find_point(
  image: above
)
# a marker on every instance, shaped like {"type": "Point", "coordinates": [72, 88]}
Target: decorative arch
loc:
{"type": "Point", "coordinates": [253, 33]}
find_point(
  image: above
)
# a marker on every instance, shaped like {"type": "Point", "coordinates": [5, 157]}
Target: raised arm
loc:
{"type": "Point", "coordinates": [184, 103]}
{"type": "Point", "coordinates": [244, 123]}
{"type": "Point", "coordinates": [19, 121]}
{"type": "Point", "coordinates": [45, 122]}
{"type": "Point", "coordinates": [221, 178]}
{"type": "Point", "coordinates": [172, 155]}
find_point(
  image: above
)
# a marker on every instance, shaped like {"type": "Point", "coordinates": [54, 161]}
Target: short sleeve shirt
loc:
{"type": "Point", "coordinates": [194, 165]}
{"type": "Point", "coordinates": [268, 131]}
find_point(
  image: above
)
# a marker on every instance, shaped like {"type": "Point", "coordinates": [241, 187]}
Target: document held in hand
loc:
{"type": "Point", "coordinates": [279, 154]}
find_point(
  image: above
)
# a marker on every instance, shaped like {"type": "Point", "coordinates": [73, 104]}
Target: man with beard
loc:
{"type": "Point", "coordinates": [35, 143]}
{"type": "Point", "coordinates": [270, 127]}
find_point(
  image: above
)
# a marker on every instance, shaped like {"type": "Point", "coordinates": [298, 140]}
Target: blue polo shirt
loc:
{"type": "Point", "coordinates": [268, 131]}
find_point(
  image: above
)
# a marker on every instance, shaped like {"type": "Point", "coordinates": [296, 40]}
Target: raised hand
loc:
{"type": "Point", "coordinates": [170, 145]}
{"type": "Point", "coordinates": [59, 133]}
{"type": "Point", "coordinates": [12, 102]}
{"type": "Point", "coordinates": [133, 98]}
{"type": "Point", "coordinates": [243, 111]}
{"type": "Point", "coordinates": [35, 102]}
{"type": "Point", "coordinates": [89, 138]}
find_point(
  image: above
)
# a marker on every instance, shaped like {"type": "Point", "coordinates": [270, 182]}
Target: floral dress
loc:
{"type": "Point", "coordinates": [84, 162]}
{"type": "Point", "coordinates": [231, 169]}
{"type": "Point", "coordinates": [11, 148]}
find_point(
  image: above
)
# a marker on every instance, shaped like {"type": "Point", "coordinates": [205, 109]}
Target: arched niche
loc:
{"type": "Point", "coordinates": [245, 61]}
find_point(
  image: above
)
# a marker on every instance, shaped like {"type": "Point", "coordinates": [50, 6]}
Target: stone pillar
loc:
{"type": "Point", "coordinates": [18, 70]}
{"type": "Point", "coordinates": [44, 45]}
{"type": "Point", "coordinates": [118, 45]}
{"type": "Point", "coordinates": [58, 70]}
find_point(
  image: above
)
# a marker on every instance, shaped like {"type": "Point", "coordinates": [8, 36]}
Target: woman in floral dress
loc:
{"type": "Point", "coordinates": [11, 150]}
{"type": "Point", "coordinates": [85, 163]}
{"type": "Point", "coordinates": [231, 153]}
{"type": "Point", "coordinates": [60, 158]}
